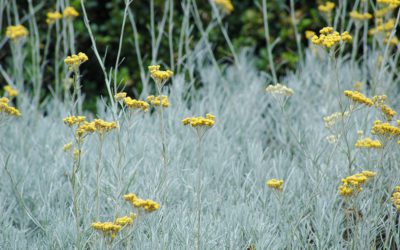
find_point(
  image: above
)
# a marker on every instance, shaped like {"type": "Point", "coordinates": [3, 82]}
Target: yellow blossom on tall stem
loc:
{"type": "Point", "coordinates": [70, 12]}
{"type": "Point", "coordinates": [200, 125]}
{"type": "Point", "coordinates": [275, 184]}
{"type": "Point", "coordinates": [6, 110]}
{"type": "Point", "coordinates": [147, 205]}
{"type": "Point", "coordinates": [52, 17]}
{"type": "Point", "coordinates": [160, 77]}
{"type": "Point", "coordinates": [16, 32]}
{"type": "Point", "coordinates": [329, 38]}
{"type": "Point", "coordinates": [74, 62]}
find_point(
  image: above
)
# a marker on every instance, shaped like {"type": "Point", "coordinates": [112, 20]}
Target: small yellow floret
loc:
{"type": "Point", "coordinates": [275, 184]}
{"type": "Point", "coordinates": [11, 91]}
{"type": "Point", "coordinates": [120, 96]}
{"type": "Point", "coordinates": [52, 17]}
{"type": "Point", "coordinates": [327, 7]}
{"type": "Point", "coordinates": [155, 100]}
{"type": "Point", "coordinates": [70, 12]}
{"type": "Point", "coordinates": [226, 5]}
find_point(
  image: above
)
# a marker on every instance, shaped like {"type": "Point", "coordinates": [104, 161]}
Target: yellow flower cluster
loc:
{"type": "Point", "coordinates": [396, 198]}
{"type": "Point", "coordinates": [357, 97]}
{"type": "Point", "coordinates": [309, 34]}
{"type": "Point", "coordinates": [379, 102]}
{"type": "Point", "coordinates": [103, 127]}
{"type": "Point", "coordinates": [352, 184]}
{"type": "Point", "coordinates": [392, 3]}
{"type": "Point", "coordinates": [329, 38]}
{"type": "Point", "coordinates": [125, 220]}
{"type": "Point", "coordinates": [275, 184]}
{"type": "Point", "coordinates": [147, 205]}
{"type": "Point", "coordinates": [160, 75]}
{"type": "Point", "coordinates": [382, 12]}
{"type": "Point", "coordinates": [84, 127]}
{"type": "Point", "coordinates": [385, 129]}
{"type": "Point", "coordinates": [157, 102]}
{"type": "Point", "coordinates": [136, 104]}
{"type": "Point", "coordinates": [226, 5]}
{"type": "Point", "coordinates": [15, 32]}
{"type": "Point", "coordinates": [67, 146]}
{"type": "Point", "coordinates": [74, 120]}
{"type": "Point", "coordinates": [111, 229]}
{"type": "Point", "coordinates": [108, 228]}
{"type": "Point", "coordinates": [52, 17]}
{"type": "Point", "coordinates": [360, 16]}
{"type": "Point", "coordinates": [120, 96]}
{"type": "Point", "coordinates": [70, 12]}
{"type": "Point", "coordinates": [75, 61]}
{"type": "Point", "coordinates": [388, 26]}
{"type": "Point", "coordinates": [368, 143]}
{"type": "Point", "coordinates": [7, 109]}
{"type": "Point", "coordinates": [200, 121]}
{"type": "Point", "coordinates": [331, 120]}
{"type": "Point", "coordinates": [394, 41]}
{"type": "Point", "coordinates": [327, 7]}
{"type": "Point", "coordinates": [279, 89]}
{"type": "Point", "coordinates": [11, 91]}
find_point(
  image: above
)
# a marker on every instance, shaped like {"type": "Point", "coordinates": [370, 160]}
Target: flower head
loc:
{"type": "Point", "coordinates": [352, 185]}
{"type": "Point", "coordinates": [11, 92]}
{"type": "Point", "coordinates": [70, 13]}
{"type": "Point", "coordinates": [226, 5]}
{"type": "Point", "coordinates": [275, 184]}
{"type": "Point", "coordinates": [120, 96]}
{"type": "Point", "coordinates": [74, 61]}
{"type": "Point", "coordinates": [396, 198]}
{"type": "Point", "coordinates": [355, 15]}
{"type": "Point", "coordinates": [6, 109]}
{"type": "Point", "coordinates": [309, 34]}
{"type": "Point", "coordinates": [16, 32]}
{"type": "Point", "coordinates": [146, 205]}
{"type": "Point", "coordinates": [279, 89]}
{"type": "Point", "coordinates": [357, 97]}
{"type": "Point", "coordinates": [368, 143]}
{"type": "Point", "coordinates": [158, 100]}
{"type": "Point", "coordinates": [160, 76]}
{"type": "Point", "coordinates": [329, 38]}
{"type": "Point", "coordinates": [52, 17]}
{"type": "Point", "coordinates": [385, 129]}
{"type": "Point", "coordinates": [103, 127]}
{"type": "Point", "coordinates": [200, 124]}
{"type": "Point", "coordinates": [136, 104]}
{"type": "Point", "coordinates": [109, 229]}
{"type": "Point", "coordinates": [327, 7]}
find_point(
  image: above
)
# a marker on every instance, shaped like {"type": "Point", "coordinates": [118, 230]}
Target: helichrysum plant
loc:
{"type": "Point", "coordinates": [200, 126]}
{"type": "Point", "coordinates": [74, 62]}
{"type": "Point", "coordinates": [160, 77]}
